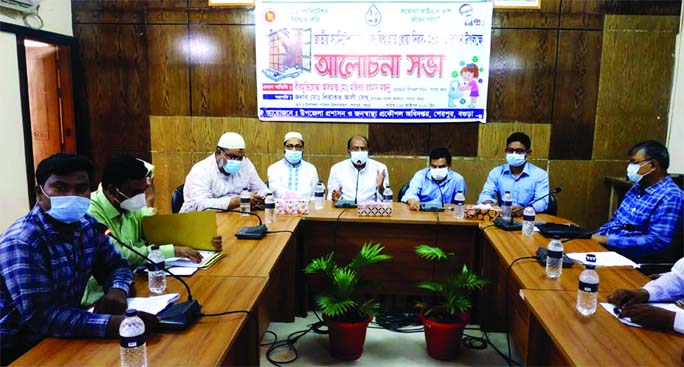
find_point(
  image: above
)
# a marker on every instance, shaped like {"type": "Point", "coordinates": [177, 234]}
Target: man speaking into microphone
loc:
{"type": "Point", "coordinates": [651, 211]}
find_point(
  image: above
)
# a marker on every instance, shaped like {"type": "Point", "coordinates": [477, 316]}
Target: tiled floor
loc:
{"type": "Point", "coordinates": [382, 348]}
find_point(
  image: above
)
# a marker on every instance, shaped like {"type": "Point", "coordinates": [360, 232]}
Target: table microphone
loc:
{"type": "Point", "coordinates": [510, 225]}
{"type": "Point", "coordinates": [247, 232]}
{"type": "Point", "coordinates": [177, 316]}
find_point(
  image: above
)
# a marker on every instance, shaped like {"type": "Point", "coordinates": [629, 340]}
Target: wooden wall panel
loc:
{"type": "Point", "coordinates": [634, 92]}
{"type": "Point", "coordinates": [492, 139]}
{"type": "Point", "coordinates": [223, 70]}
{"type": "Point", "coordinates": [575, 177]}
{"type": "Point", "coordinates": [521, 76]}
{"type": "Point", "coordinates": [129, 11]}
{"type": "Point", "coordinates": [577, 77]}
{"type": "Point", "coordinates": [546, 17]}
{"type": "Point", "coordinates": [460, 138]}
{"type": "Point", "coordinates": [200, 12]}
{"type": "Point", "coordinates": [168, 70]}
{"type": "Point", "coordinates": [403, 139]}
{"type": "Point", "coordinates": [584, 14]}
{"type": "Point", "coordinates": [599, 192]}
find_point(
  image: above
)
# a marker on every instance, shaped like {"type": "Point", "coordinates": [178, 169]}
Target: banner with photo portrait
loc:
{"type": "Point", "coordinates": [380, 61]}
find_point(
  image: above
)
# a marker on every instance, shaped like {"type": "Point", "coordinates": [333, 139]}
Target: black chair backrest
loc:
{"type": "Point", "coordinates": [402, 191]}
{"type": "Point", "coordinates": [177, 199]}
{"type": "Point", "coordinates": [553, 206]}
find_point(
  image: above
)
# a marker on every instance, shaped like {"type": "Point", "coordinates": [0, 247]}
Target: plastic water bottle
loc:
{"type": "Point", "coordinates": [459, 209]}
{"type": "Point", "coordinates": [269, 209]}
{"type": "Point", "coordinates": [132, 340]}
{"type": "Point", "coordinates": [156, 278]}
{"type": "Point", "coordinates": [587, 292]}
{"type": "Point", "coordinates": [244, 202]}
{"type": "Point", "coordinates": [554, 258]}
{"type": "Point", "coordinates": [319, 195]}
{"type": "Point", "coordinates": [387, 196]}
{"type": "Point", "coordinates": [506, 204]}
{"type": "Point", "coordinates": [528, 221]}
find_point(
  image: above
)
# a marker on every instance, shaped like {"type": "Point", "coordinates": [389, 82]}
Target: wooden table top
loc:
{"type": "Point", "coordinates": [204, 344]}
{"type": "Point", "coordinates": [600, 340]}
{"type": "Point", "coordinates": [250, 257]}
{"type": "Point", "coordinates": [531, 275]}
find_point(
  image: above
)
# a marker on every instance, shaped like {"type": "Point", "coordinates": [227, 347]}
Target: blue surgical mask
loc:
{"type": "Point", "coordinates": [515, 159]}
{"type": "Point", "coordinates": [232, 166]}
{"type": "Point", "coordinates": [633, 172]}
{"type": "Point", "coordinates": [293, 156]}
{"type": "Point", "coordinates": [438, 174]}
{"type": "Point", "coordinates": [359, 157]}
{"type": "Point", "coordinates": [67, 209]}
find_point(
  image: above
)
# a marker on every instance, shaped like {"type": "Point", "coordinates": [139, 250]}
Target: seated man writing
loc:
{"type": "Point", "coordinates": [46, 258]}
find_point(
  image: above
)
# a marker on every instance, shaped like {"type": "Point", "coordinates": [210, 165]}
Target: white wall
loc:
{"type": "Point", "coordinates": [13, 186]}
{"type": "Point", "coordinates": [675, 139]}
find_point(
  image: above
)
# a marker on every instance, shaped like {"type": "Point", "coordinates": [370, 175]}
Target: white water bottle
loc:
{"type": "Point", "coordinates": [133, 348]}
{"type": "Point", "coordinates": [319, 195]}
{"type": "Point", "coordinates": [587, 292]}
{"type": "Point", "coordinates": [506, 204]}
{"type": "Point", "coordinates": [269, 209]}
{"type": "Point", "coordinates": [156, 277]}
{"type": "Point", "coordinates": [244, 202]}
{"type": "Point", "coordinates": [554, 258]}
{"type": "Point", "coordinates": [387, 196]}
{"type": "Point", "coordinates": [459, 209]}
{"type": "Point", "coordinates": [528, 221]}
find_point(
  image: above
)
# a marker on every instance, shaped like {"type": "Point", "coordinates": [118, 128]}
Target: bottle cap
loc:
{"type": "Point", "coordinates": [556, 237]}
{"type": "Point", "coordinates": [459, 192]}
{"type": "Point", "coordinates": [507, 192]}
{"type": "Point", "coordinates": [591, 258]}
{"type": "Point", "coordinates": [131, 312]}
{"type": "Point", "coordinates": [155, 247]}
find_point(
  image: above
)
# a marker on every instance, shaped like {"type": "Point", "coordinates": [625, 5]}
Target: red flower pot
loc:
{"type": "Point", "coordinates": [347, 338]}
{"type": "Point", "coordinates": [444, 339]}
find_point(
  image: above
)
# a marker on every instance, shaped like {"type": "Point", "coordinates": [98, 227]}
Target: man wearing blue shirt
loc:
{"type": "Point", "coordinates": [46, 258]}
{"type": "Point", "coordinates": [525, 181]}
{"type": "Point", "coordinates": [647, 227]}
{"type": "Point", "coordinates": [437, 184]}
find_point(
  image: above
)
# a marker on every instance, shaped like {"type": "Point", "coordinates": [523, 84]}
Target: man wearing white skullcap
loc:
{"type": "Point", "coordinates": [633, 303]}
{"type": "Point", "coordinates": [292, 174]}
{"type": "Point", "coordinates": [216, 181]}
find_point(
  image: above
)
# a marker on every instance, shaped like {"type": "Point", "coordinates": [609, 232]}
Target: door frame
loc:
{"type": "Point", "coordinates": [21, 34]}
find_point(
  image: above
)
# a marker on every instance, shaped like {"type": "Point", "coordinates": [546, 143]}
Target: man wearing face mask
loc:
{"type": "Point", "coordinates": [119, 204]}
{"type": "Point", "coordinates": [46, 258]}
{"type": "Point", "coordinates": [652, 208]}
{"type": "Point", "coordinates": [435, 184]}
{"type": "Point", "coordinates": [218, 180]}
{"type": "Point", "coordinates": [525, 181]}
{"type": "Point", "coordinates": [358, 178]}
{"type": "Point", "coordinates": [292, 174]}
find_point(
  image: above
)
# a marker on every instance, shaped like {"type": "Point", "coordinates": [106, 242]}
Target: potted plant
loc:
{"type": "Point", "coordinates": [444, 322]}
{"type": "Point", "coordinates": [341, 303]}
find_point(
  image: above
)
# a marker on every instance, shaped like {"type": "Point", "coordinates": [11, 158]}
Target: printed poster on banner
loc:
{"type": "Point", "coordinates": [382, 61]}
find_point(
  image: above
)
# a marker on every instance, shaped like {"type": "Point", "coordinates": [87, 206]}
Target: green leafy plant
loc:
{"type": "Point", "coordinates": [456, 288]}
{"type": "Point", "coordinates": [341, 299]}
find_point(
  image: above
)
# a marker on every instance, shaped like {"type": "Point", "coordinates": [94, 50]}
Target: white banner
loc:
{"type": "Point", "coordinates": [382, 61]}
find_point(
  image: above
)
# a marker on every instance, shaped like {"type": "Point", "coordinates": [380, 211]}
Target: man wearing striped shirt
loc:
{"type": "Point", "coordinates": [46, 258]}
{"type": "Point", "coordinates": [647, 227]}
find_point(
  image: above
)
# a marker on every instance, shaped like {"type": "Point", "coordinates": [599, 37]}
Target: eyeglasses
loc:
{"type": "Point", "coordinates": [640, 163]}
{"type": "Point", "coordinates": [516, 151]}
{"type": "Point", "coordinates": [294, 146]}
{"type": "Point", "coordinates": [230, 157]}
{"type": "Point", "coordinates": [358, 149]}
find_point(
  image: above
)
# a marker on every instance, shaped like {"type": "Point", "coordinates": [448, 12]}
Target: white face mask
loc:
{"type": "Point", "coordinates": [438, 174]}
{"type": "Point", "coordinates": [137, 202]}
{"type": "Point", "coordinates": [633, 172]}
{"type": "Point", "coordinates": [359, 157]}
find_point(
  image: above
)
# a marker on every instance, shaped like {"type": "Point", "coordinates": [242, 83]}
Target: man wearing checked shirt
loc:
{"type": "Point", "coordinates": [46, 258]}
{"type": "Point", "coordinates": [651, 209]}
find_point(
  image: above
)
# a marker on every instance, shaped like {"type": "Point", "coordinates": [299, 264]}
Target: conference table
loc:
{"type": "Point", "coordinates": [265, 277]}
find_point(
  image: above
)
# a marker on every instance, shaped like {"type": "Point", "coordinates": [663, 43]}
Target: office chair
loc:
{"type": "Point", "coordinates": [177, 199]}
{"type": "Point", "coordinates": [402, 191]}
{"type": "Point", "coordinates": [552, 208]}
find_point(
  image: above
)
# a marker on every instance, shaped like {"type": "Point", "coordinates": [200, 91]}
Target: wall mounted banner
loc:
{"type": "Point", "coordinates": [382, 61]}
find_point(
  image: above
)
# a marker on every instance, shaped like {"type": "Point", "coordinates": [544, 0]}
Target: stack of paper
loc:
{"type": "Point", "coordinates": [604, 259]}
{"type": "Point", "coordinates": [153, 305]}
{"type": "Point", "coordinates": [209, 258]}
{"type": "Point", "coordinates": [612, 309]}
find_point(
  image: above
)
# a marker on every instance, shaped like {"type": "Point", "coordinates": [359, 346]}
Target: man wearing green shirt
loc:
{"type": "Point", "coordinates": [119, 203]}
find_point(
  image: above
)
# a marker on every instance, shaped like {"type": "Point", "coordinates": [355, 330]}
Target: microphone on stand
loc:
{"type": "Point", "coordinates": [247, 232]}
{"type": "Point", "coordinates": [177, 316]}
{"type": "Point", "coordinates": [511, 225]}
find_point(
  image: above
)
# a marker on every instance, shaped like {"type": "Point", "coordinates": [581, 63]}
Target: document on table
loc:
{"type": "Point", "coordinates": [610, 308]}
{"type": "Point", "coordinates": [603, 259]}
{"type": "Point", "coordinates": [209, 258]}
{"type": "Point", "coordinates": [153, 305]}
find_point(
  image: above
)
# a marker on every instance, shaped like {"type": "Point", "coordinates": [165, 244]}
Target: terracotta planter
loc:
{"type": "Point", "coordinates": [443, 339]}
{"type": "Point", "coordinates": [347, 338]}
